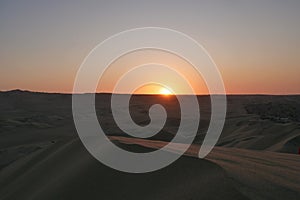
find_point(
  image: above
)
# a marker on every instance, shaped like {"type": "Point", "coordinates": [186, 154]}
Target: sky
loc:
{"type": "Point", "coordinates": [255, 44]}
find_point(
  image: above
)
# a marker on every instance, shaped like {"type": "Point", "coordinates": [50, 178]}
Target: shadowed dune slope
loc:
{"type": "Point", "coordinates": [67, 171]}
{"type": "Point", "coordinates": [259, 175]}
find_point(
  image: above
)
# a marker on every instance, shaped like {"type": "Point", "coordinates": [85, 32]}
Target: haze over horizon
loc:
{"type": "Point", "coordinates": [255, 44]}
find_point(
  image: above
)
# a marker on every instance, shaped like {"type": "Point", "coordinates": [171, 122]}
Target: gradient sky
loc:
{"type": "Point", "coordinates": [255, 43]}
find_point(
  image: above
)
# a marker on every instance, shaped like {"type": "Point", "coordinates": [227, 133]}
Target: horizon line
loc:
{"type": "Point", "coordinates": [148, 94]}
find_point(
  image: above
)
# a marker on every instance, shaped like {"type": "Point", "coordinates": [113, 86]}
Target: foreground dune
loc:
{"type": "Point", "coordinates": [67, 171]}
{"type": "Point", "coordinates": [256, 174]}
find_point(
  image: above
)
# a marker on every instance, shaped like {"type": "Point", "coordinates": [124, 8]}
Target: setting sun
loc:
{"type": "Point", "coordinates": [165, 91]}
{"type": "Point", "coordinates": [154, 89]}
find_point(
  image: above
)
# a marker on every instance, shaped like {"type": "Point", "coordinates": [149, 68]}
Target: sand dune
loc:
{"type": "Point", "coordinates": [67, 171]}
{"type": "Point", "coordinates": [256, 174]}
{"type": "Point", "coordinates": [41, 156]}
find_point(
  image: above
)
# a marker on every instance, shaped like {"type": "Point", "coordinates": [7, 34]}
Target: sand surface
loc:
{"type": "Point", "coordinates": [67, 171]}
{"type": "Point", "coordinates": [256, 174]}
{"type": "Point", "coordinates": [41, 156]}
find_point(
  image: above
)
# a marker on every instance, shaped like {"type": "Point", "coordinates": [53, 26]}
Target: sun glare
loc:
{"type": "Point", "coordinates": [165, 91]}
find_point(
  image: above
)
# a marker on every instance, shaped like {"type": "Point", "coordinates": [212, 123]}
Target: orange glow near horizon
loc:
{"type": "Point", "coordinates": [181, 84]}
